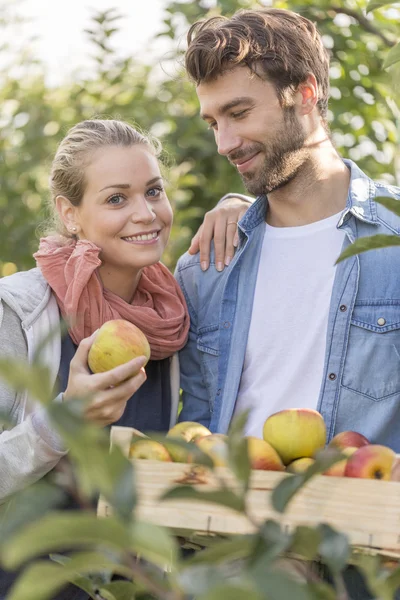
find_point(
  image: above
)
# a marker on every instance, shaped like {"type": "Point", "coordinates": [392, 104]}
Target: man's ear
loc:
{"type": "Point", "coordinates": [307, 95]}
{"type": "Point", "coordinates": [68, 214]}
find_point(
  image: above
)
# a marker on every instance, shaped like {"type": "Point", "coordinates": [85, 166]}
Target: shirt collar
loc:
{"type": "Point", "coordinates": [360, 201]}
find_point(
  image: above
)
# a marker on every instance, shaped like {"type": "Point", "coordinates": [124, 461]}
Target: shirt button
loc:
{"type": "Point", "coordinates": [219, 392]}
{"type": "Point", "coordinates": [332, 376]}
{"type": "Point", "coordinates": [227, 324]}
{"type": "Point", "coordinates": [343, 308]}
{"type": "Point", "coordinates": [381, 321]}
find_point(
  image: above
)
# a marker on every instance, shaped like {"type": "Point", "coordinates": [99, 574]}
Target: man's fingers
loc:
{"type": "Point", "coordinates": [195, 243]}
{"type": "Point", "coordinates": [231, 229]}
{"type": "Point", "coordinates": [219, 243]}
{"type": "Point", "coordinates": [206, 235]}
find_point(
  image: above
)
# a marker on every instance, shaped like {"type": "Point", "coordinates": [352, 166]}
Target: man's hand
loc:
{"type": "Point", "coordinates": [219, 223]}
{"type": "Point", "coordinates": [109, 391]}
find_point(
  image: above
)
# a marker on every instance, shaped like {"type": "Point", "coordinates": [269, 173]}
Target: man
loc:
{"type": "Point", "coordinates": [282, 326]}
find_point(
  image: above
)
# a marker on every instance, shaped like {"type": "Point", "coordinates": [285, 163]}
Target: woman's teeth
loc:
{"type": "Point", "coordinates": [142, 238]}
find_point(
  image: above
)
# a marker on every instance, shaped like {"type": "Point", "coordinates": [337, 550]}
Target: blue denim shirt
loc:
{"type": "Point", "coordinates": [360, 388]}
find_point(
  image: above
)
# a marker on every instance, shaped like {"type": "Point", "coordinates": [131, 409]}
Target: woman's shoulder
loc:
{"type": "Point", "coordinates": [24, 291]}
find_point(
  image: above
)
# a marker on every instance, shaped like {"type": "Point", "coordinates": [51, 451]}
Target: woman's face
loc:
{"type": "Point", "coordinates": [125, 210]}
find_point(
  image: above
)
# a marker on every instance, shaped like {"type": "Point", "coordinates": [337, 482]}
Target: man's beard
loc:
{"type": "Point", "coordinates": [283, 158]}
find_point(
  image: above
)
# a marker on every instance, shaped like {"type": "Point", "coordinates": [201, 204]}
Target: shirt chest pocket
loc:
{"type": "Point", "coordinates": [208, 346]}
{"type": "Point", "coordinates": [372, 366]}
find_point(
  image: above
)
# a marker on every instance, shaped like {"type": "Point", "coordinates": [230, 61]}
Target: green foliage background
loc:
{"type": "Point", "coordinates": [34, 116]}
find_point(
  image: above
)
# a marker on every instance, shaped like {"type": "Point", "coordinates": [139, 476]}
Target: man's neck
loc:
{"type": "Point", "coordinates": [317, 192]}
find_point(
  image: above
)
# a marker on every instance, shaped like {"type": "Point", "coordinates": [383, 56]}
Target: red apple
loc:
{"type": "Point", "coordinates": [349, 439]}
{"type": "Point", "coordinates": [338, 469]}
{"type": "Point", "coordinates": [262, 455]}
{"type": "Point", "coordinates": [371, 462]}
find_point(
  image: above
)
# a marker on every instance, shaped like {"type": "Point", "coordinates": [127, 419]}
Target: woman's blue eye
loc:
{"type": "Point", "coordinates": [116, 199]}
{"type": "Point", "coordinates": [153, 192]}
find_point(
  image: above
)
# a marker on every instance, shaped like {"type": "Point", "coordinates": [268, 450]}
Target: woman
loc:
{"type": "Point", "coordinates": [113, 221]}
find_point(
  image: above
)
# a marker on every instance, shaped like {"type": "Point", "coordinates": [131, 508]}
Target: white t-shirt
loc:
{"type": "Point", "coordinates": [285, 351]}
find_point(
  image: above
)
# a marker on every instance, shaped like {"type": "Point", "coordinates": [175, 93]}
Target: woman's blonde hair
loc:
{"type": "Point", "coordinates": [67, 176]}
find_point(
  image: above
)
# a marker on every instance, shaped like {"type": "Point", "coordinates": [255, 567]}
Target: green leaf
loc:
{"type": "Point", "coordinates": [271, 541]}
{"type": "Point", "coordinates": [374, 4]}
{"type": "Point", "coordinates": [290, 485]}
{"type": "Point", "coordinates": [372, 242]}
{"type": "Point", "coordinates": [43, 579]}
{"type": "Point", "coordinates": [306, 541]}
{"type": "Point", "coordinates": [20, 376]}
{"type": "Point", "coordinates": [322, 591]}
{"type": "Point", "coordinates": [222, 497]}
{"type": "Point", "coordinates": [62, 531]}
{"type": "Point", "coordinates": [390, 203]}
{"type": "Point", "coordinates": [233, 592]}
{"type": "Point", "coordinates": [237, 450]}
{"type": "Point", "coordinates": [120, 590]}
{"type": "Point", "coordinates": [28, 506]}
{"type": "Point", "coordinates": [392, 57]}
{"type": "Point", "coordinates": [334, 548]}
{"type": "Point", "coordinates": [278, 583]}
{"type": "Point", "coordinates": [229, 549]}
{"type": "Point", "coordinates": [154, 544]}
{"type": "Point", "coordinates": [99, 469]}
{"type": "Point", "coordinates": [196, 580]}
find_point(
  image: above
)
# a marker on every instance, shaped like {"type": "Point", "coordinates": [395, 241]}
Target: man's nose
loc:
{"type": "Point", "coordinates": [227, 140]}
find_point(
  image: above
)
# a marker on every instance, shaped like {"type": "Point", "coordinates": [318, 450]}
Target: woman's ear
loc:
{"type": "Point", "coordinates": [68, 214]}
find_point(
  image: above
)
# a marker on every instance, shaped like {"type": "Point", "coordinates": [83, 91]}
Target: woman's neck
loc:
{"type": "Point", "coordinates": [120, 283]}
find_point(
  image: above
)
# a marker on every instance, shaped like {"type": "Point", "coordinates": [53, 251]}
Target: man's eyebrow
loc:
{"type": "Point", "coordinates": [229, 105]}
{"type": "Point", "coordinates": [126, 186]}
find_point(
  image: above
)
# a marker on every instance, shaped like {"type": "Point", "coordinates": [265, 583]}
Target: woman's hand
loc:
{"type": "Point", "coordinates": [109, 391]}
{"type": "Point", "coordinates": [219, 223]}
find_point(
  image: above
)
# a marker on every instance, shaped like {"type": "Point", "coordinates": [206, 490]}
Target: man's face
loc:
{"type": "Point", "coordinates": [264, 141]}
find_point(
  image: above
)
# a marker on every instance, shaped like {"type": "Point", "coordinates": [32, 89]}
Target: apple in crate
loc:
{"type": "Point", "coordinates": [339, 468]}
{"type": "Point", "coordinates": [349, 439]}
{"type": "Point", "coordinates": [371, 462]}
{"type": "Point", "coordinates": [263, 456]}
{"type": "Point", "coordinates": [186, 431]}
{"type": "Point", "coordinates": [116, 342]}
{"type": "Point", "coordinates": [215, 447]}
{"type": "Point", "coordinates": [150, 450]}
{"type": "Point", "coordinates": [295, 433]}
{"type": "Point", "coordinates": [300, 465]}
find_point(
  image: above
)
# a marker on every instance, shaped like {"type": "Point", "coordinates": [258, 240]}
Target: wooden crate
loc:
{"type": "Point", "coordinates": [368, 511]}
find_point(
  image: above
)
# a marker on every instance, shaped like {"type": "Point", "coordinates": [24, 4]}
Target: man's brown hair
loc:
{"type": "Point", "coordinates": [284, 44]}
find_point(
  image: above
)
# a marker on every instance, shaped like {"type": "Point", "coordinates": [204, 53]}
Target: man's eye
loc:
{"type": "Point", "coordinates": [154, 192]}
{"type": "Point", "coordinates": [115, 199]}
{"type": "Point", "coordinates": [239, 114]}
{"type": "Point", "coordinates": [212, 125]}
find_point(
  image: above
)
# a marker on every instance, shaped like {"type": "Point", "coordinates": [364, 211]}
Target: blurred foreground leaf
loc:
{"type": "Point", "coordinates": [291, 484]}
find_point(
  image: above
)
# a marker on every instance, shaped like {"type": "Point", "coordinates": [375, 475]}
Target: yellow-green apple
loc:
{"type": "Point", "coordinates": [186, 431]}
{"type": "Point", "coordinates": [349, 439]}
{"type": "Point", "coordinates": [300, 465]}
{"type": "Point", "coordinates": [150, 450]}
{"type": "Point", "coordinates": [371, 462]}
{"type": "Point", "coordinates": [295, 433]}
{"type": "Point", "coordinates": [116, 343]}
{"type": "Point", "coordinates": [215, 447]}
{"type": "Point", "coordinates": [338, 469]}
{"type": "Point", "coordinates": [262, 455]}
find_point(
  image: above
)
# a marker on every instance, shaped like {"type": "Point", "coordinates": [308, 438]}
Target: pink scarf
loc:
{"type": "Point", "coordinates": [158, 307]}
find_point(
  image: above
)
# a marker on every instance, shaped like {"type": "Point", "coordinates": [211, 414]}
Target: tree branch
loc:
{"type": "Point", "coordinates": [364, 22]}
